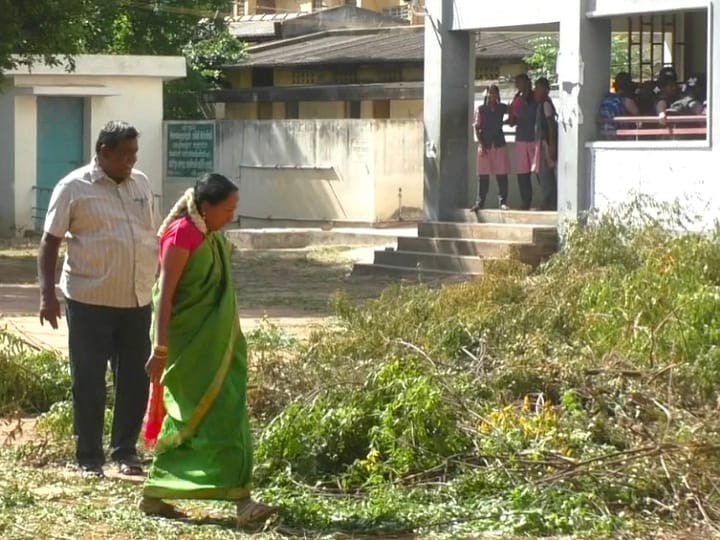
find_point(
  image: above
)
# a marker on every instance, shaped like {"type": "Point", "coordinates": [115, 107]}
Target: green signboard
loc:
{"type": "Point", "coordinates": [190, 149]}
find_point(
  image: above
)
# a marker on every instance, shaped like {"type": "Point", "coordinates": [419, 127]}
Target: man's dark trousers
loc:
{"type": "Point", "coordinates": [98, 334]}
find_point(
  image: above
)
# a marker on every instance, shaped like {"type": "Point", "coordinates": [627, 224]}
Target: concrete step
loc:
{"type": "Point", "coordinates": [517, 217]}
{"type": "Point", "coordinates": [459, 246]}
{"type": "Point", "coordinates": [431, 261]}
{"type": "Point", "coordinates": [302, 238]}
{"type": "Point", "coordinates": [365, 269]}
{"type": "Point", "coordinates": [508, 232]}
{"type": "Point", "coordinates": [488, 249]}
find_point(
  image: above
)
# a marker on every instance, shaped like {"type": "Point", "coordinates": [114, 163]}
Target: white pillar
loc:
{"type": "Point", "coordinates": [583, 75]}
{"type": "Point", "coordinates": [448, 104]}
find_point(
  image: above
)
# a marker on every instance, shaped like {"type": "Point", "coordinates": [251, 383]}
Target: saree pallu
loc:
{"type": "Point", "coordinates": [204, 448]}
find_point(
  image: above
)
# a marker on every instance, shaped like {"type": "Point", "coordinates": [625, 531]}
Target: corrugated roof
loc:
{"type": "Point", "coordinates": [371, 46]}
{"type": "Point", "coordinates": [274, 17]}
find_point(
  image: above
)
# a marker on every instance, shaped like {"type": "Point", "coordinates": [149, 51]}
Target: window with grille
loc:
{"type": "Point", "coordinates": [346, 76]}
{"type": "Point", "coordinates": [303, 77]}
{"type": "Point", "coordinates": [238, 8]}
{"type": "Point", "coordinates": [391, 75]}
{"type": "Point", "coordinates": [643, 47]}
{"type": "Point", "coordinates": [487, 72]}
{"type": "Point", "coordinates": [653, 43]}
{"type": "Point", "coordinates": [265, 6]}
{"type": "Point", "coordinates": [401, 12]}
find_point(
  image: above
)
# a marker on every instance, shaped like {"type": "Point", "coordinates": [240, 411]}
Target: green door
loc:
{"type": "Point", "coordinates": [59, 145]}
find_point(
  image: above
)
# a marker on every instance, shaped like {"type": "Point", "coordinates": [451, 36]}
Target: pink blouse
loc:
{"type": "Point", "coordinates": [181, 233]}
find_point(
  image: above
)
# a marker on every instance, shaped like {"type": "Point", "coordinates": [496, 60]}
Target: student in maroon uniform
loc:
{"type": "Point", "coordinates": [546, 145]}
{"type": "Point", "coordinates": [522, 117]}
{"type": "Point", "coordinates": [492, 153]}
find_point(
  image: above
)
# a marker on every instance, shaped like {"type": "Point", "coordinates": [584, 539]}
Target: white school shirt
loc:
{"type": "Point", "coordinates": [110, 230]}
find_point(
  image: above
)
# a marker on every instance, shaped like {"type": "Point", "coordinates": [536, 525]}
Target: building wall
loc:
{"type": "Point", "coordinates": [666, 174]}
{"type": "Point", "coordinates": [399, 157]}
{"type": "Point", "coordinates": [239, 111]}
{"type": "Point", "coordinates": [251, 7]}
{"type": "Point", "coordinates": [285, 77]}
{"type": "Point", "coordinates": [514, 13]}
{"type": "Point", "coordinates": [318, 170]}
{"type": "Point", "coordinates": [409, 108]}
{"type": "Point", "coordinates": [321, 109]}
{"type": "Point", "coordinates": [25, 161]}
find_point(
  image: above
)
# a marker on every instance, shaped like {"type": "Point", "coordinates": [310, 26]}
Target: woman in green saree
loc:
{"type": "Point", "coordinates": [204, 447]}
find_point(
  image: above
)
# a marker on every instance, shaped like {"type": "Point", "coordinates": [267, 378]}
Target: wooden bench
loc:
{"type": "Point", "coordinates": [651, 127]}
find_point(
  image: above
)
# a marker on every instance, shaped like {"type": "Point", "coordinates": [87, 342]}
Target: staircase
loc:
{"type": "Point", "coordinates": [460, 249]}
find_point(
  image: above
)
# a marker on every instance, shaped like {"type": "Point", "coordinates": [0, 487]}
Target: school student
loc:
{"type": "Point", "coordinates": [546, 145]}
{"type": "Point", "coordinates": [492, 153]}
{"type": "Point", "coordinates": [522, 117]}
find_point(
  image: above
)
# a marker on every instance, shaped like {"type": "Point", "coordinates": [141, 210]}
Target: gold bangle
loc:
{"type": "Point", "coordinates": [161, 349]}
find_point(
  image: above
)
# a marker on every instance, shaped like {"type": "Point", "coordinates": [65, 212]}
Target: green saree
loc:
{"type": "Point", "coordinates": [204, 449]}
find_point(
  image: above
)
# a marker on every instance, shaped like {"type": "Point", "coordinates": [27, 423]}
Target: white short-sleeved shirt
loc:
{"type": "Point", "coordinates": [110, 230]}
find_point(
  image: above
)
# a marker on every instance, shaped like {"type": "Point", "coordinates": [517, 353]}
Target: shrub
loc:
{"type": "Point", "coordinates": [540, 403]}
{"type": "Point", "coordinates": [30, 380]}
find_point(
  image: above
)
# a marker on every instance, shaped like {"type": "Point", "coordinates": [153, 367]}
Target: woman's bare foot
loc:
{"type": "Point", "coordinates": [157, 507]}
{"type": "Point", "coordinates": [250, 512]}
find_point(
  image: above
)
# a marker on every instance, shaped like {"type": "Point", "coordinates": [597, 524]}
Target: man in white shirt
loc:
{"type": "Point", "coordinates": [105, 212]}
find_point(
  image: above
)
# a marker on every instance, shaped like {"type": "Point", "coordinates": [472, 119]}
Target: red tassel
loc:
{"type": "Point", "coordinates": [154, 415]}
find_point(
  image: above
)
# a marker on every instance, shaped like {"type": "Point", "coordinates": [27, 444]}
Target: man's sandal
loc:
{"type": "Point", "coordinates": [159, 508]}
{"type": "Point", "coordinates": [250, 512]}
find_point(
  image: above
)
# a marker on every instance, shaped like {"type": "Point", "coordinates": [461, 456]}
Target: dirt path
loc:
{"type": "Point", "coordinates": [291, 288]}
{"type": "Point", "coordinates": [295, 323]}
{"type": "Point", "coordinates": [19, 303]}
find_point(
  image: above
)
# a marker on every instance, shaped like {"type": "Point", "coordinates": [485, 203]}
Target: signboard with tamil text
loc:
{"type": "Point", "coordinates": [190, 149]}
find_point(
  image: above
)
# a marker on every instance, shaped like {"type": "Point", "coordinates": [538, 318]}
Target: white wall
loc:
{"type": "Point", "coordinates": [609, 8]}
{"type": "Point", "coordinates": [25, 161]}
{"type": "Point", "coordinates": [473, 14]}
{"type": "Point", "coordinates": [319, 170]}
{"type": "Point", "coordinates": [687, 175]}
{"type": "Point", "coordinates": [140, 102]}
{"type": "Point", "coordinates": [398, 165]}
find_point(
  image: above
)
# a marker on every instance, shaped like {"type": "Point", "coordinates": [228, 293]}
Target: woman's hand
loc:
{"type": "Point", "coordinates": [154, 367]}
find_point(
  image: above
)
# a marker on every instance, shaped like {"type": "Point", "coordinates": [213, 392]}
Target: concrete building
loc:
{"type": "Point", "coordinates": [358, 73]}
{"type": "Point", "coordinates": [50, 119]}
{"type": "Point", "coordinates": [591, 172]}
{"type": "Point", "coordinates": [255, 29]}
{"type": "Point", "coordinates": [410, 10]}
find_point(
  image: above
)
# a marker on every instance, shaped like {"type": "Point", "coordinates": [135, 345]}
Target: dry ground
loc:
{"type": "Point", "coordinates": [292, 288]}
